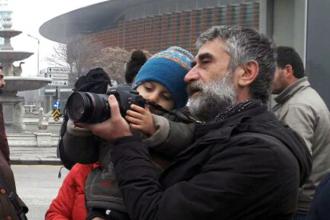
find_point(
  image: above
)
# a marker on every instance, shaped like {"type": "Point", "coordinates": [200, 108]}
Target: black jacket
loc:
{"type": "Point", "coordinates": [320, 205]}
{"type": "Point", "coordinates": [246, 166]}
{"type": "Point", "coordinates": [11, 206]}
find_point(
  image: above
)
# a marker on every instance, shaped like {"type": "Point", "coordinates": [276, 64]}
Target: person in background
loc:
{"type": "Point", "coordinates": [243, 164]}
{"type": "Point", "coordinates": [96, 81]}
{"type": "Point", "coordinates": [70, 200]}
{"type": "Point", "coordinates": [11, 206]}
{"type": "Point", "coordinates": [137, 59]}
{"type": "Point", "coordinates": [301, 107]}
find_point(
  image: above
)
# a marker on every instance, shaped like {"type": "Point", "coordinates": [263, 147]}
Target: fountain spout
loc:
{"type": "Point", "coordinates": [17, 70]}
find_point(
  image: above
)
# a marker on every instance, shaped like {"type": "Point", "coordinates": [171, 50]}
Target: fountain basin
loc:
{"type": "Point", "coordinates": [9, 33]}
{"type": "Point", "coordinates": [9, 56]}
{"type": "Point", "coordinates": [19, 83]}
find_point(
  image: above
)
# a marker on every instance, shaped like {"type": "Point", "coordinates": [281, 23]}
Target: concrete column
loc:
{"type": "Point", "coordinates": [13, 111]}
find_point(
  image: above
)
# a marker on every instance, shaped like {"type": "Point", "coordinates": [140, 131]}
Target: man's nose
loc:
{"type": "Point", "coordinates": [192, 75]}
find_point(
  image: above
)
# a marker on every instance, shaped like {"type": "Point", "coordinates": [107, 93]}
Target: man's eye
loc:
{"type": "Point", "coordinates": [204, 61]}
{"type": "Point", "coordinates": [193, 64]}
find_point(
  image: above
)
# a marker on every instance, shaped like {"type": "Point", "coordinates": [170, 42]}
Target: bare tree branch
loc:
{"type": "Point", "coordinates": [58, 57]}
{"type": "Point", "coordinates": [81, 56]}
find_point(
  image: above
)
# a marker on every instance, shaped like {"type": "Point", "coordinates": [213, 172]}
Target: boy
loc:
{"type": "Point", "coordinates": [159, 81]}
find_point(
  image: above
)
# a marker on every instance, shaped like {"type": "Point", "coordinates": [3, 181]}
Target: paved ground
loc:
{"type": "Point", "coordinates": [37, 185]}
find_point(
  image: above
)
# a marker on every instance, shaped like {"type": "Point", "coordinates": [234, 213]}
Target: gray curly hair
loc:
{"type": "Point", "coordinates": [243, 45]}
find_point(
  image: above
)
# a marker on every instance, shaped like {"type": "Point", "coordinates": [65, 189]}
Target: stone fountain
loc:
{"type": "Point", "coordinates": [12, 104]}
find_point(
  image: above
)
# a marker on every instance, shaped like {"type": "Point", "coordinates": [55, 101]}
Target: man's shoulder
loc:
{"type": "Point", "coordinates": [257, 139]}
{"type": "Point", "coordinates": [307, 102]}
{"type": "Point", "coordinates": [306, 96]}
{"type": "Point", "coordinates": [256, 148]}
{"type": "Point", "coordinates": [249, 141]}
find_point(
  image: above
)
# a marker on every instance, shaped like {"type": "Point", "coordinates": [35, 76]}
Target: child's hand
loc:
{"type": "Point", "coordinates": [141, 119]}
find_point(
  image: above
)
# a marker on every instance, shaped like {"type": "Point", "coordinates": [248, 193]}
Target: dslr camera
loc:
{"type": "Point", "coordinates": [87, 107]}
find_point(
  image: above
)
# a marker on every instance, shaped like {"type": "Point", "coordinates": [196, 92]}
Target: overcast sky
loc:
{"type": "Point", "coordinates": [28, 16]}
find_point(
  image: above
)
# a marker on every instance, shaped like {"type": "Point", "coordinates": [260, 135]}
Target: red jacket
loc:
{"type": "Point", "coordinates": [70, 200]}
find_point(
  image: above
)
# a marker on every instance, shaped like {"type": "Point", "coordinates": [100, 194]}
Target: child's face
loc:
{"type": "Point", "coordinates": [157, 93]}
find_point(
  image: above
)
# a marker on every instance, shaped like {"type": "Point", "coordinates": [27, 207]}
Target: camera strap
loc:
{"type": "Point", "coordinates": [183, 115]}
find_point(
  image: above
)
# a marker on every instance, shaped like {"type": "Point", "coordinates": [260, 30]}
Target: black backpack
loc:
{"type": "Point", "coordinates": [96, 81]}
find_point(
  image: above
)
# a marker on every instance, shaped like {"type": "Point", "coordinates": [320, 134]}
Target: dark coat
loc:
{"type": "Point", "coordinates": [6, 207]}
{"type": "Point", "coordinates": [320, 206]}
{"type": "Point", "coordinates": [247, 166]}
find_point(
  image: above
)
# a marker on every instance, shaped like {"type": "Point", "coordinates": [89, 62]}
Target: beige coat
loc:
{"type": "Point", "coordinates": [301, 107]}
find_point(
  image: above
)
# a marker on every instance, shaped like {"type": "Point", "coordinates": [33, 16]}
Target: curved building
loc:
{"type": "Point", "coordinates": [156, 24]}
{"type": "Point", "coordinates": [149, 24]}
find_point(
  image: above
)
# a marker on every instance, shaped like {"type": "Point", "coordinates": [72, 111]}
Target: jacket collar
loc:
{"type": "Point", "coordinates": [224, 124]}
{"type": "Point", "coordinates": [292, 89]}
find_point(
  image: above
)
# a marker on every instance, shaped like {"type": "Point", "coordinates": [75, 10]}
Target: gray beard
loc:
{"type": "Point", "coordinates": [213, 98]}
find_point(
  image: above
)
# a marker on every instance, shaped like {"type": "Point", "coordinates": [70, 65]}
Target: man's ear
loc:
{"type": "Point", "coordinates": [248, 73]}
{"type": "Point", "coordinates": [288, 71]}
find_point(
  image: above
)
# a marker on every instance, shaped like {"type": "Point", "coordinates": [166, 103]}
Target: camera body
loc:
{"type": "Point", "coordinates": [87, 107]}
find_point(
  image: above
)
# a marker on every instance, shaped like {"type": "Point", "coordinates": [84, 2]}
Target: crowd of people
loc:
{"type": "Point", "coordinates": [209, 142]}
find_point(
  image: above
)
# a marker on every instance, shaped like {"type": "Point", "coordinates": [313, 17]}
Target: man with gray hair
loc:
{"type": "Point", "coordinates": [243, 163]}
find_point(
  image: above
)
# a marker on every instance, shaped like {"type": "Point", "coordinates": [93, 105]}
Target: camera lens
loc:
{"type": "Point", "coordinates": [78, 106]}
{"type": "Point", "coordinates": [88, 107]}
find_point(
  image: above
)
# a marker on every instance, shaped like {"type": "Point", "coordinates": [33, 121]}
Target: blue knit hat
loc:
{"type": "Point", "coordinates": [168, 68]}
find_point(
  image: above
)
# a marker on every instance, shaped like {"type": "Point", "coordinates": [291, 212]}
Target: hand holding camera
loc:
{"type": "Point", "coordinates": [87, 107]}
{"type": "Point", "coordinates": [112, 128]}
{"type": "Point", "coordinates": [102, 113]}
